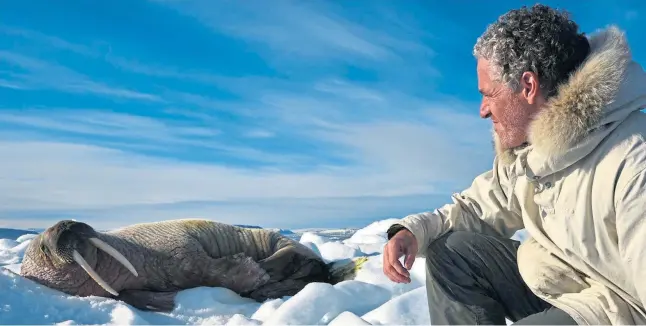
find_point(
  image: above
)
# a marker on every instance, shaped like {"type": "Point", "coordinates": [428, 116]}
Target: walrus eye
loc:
{"type": "Point", "coordinates": [44, 249]}
{"type": "Point", "coordinates": [114, 253]}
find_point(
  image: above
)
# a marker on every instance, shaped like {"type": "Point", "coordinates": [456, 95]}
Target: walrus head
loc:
{"type": "Point", "coordinates": [62, 254]}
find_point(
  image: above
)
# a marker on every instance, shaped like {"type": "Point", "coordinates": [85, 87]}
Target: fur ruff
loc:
{"type": "Point", "coordinates": [579, 104]}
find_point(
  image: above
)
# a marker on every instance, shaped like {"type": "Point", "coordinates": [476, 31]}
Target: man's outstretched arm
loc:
{"type": "Point", "coordinates": [487, 206]}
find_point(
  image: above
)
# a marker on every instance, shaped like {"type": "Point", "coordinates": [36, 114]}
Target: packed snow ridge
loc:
{"type": "Point", "coordinates": [371, 298]}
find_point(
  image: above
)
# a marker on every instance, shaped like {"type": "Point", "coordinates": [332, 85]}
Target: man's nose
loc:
{"type": "Point", "coordinates": [484, 111]}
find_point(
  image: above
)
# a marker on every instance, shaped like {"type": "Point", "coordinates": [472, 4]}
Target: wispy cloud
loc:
{"type": "Point", "coordinates": [358, 145]}
{"type": "Point", "coordinates": [161, 71]}
{"type": "Point", "coordinates": [38, 74]}
{"type": "Point", "coordinates": [53, 176]}
{"type": "Point", "coordinates": [289, 30]}
{"type": "Point", "coordinates": [303, 143]}
{"type": "Point", "coordinates": [51, 41]}
{"type": "Point", "coordinates": [287, 26]}
{"type": "Point", "coordinates": [396, 158]}
{"type": "Point", "coordinates": [273, 212]}
{"type": "Point", "coordinates": [77, 176]}
{"type": "Point", "coordinates": [12, 85]}
{"type": "Point", "coordinates": [259, 134]}
{"type": "Point", "coordinates": [104, 123]}
{"type": "Point", "coordinates": [631, 15]}
{"type": "Point", "coordinates": [124, 131]}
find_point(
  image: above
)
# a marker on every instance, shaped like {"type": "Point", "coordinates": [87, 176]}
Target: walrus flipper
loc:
{"type": "Point", "coordinates": [292, 263]}
{"type": "Point", "coordinates": [291, 268]}
{"type": "Point", "coordinates": [277, 290]}
{"type": "Point", "coordinates": [239, 273]}
{"type": "Point", "coordinates": [149, 300]}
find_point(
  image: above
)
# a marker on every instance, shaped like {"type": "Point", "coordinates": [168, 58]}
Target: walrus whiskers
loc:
{"type": "Point", "coordinates": [110, 251]}
{"type": "Point", "coordinates": [81, 261]}
{"type": "Point", "coordinates": [114, 253]}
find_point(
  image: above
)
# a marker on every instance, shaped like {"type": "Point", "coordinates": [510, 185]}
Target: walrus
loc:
{"type": "Point", "coordinates": [147, 264]}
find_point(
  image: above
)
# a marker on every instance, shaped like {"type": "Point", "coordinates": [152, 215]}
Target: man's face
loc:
{"type": "Point", "coordinates": [509, 111]}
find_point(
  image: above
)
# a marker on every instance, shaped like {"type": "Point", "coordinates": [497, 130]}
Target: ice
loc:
{"type": "Point", "coordinates": [310, 237]}
{"type": "Point", "coordinates": [347, 318]}
{"type": "Point", "coordinates": [329, 250]}
{"type": "Point", "coordinates": [333, 251]}
{"type": "Point", "coordinates": [11, 251]}
{"type": "Point", "coordinates": [410, 308]}
{"type": "Point", "coordinates": [267, 309]}
{"type": "Point", "coordinates": [6, 244]}
{"type": "Point", "coordinates": [372, 238]}
{"type": "Point", "coordinates": [319, 303]}
{"type": "Point", "coordinates": [370, 298]}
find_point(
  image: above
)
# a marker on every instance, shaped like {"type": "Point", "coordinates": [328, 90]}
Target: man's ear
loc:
{"type": "Point", "coordinates": [530, 87]}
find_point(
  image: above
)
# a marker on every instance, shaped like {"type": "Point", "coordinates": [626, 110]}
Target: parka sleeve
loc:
{"type": "Point", "coordinates": [487, 206]}
{"type": "Point", "coordinates": [630, 208]}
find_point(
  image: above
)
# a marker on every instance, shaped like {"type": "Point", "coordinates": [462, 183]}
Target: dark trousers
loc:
{"type": "Point", "coordinates": [473, 279]}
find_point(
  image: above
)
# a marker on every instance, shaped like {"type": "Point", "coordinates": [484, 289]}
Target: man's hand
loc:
{"type": "Point", "coordinates": [402, 243]}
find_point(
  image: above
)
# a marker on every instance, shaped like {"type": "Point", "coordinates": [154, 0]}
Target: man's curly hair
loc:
{"type": "Point", "coordinates": [541, 39]}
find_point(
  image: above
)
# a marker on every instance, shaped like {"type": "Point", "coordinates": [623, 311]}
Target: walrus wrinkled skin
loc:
{"type": "Point", "coordinates": [145, 265]}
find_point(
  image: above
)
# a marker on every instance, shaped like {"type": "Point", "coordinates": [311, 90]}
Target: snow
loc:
{"type": "Point", "coordinates": [12, 250]}
{"type": "Point", "coordinates": [370, 298]}
{"type": "Point", "coordinates": [347, 318]}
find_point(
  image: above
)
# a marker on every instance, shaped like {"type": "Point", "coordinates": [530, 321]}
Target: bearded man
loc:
{"type": "Point", "coordinates": [570, 169]}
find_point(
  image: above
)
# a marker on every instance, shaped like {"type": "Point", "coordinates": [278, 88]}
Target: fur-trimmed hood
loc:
{"type": "Point", "coordinates": [601, 91]}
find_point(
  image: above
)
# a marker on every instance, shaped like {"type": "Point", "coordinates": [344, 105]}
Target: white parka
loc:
{"type": "Point", "coordinates": [578, 189]}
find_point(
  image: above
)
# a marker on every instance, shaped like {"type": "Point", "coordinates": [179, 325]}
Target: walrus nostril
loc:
{"type": "Point", "coordinates": [64, 240]}
{"type": "Point", "coordinates": [68, 234]}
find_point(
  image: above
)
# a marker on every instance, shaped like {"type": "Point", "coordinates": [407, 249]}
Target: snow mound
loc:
{"type": "Point", "coordinates": [319, 303]}
{"type": "Point", "coordinates": [11, 251]}
{"type": "Point", "coordinates": [410, 308]}
{"type": "Point", "coordinates": [347, 318]}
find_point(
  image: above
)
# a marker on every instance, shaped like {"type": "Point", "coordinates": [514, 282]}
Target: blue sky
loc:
{"type": "Point", "coordinates": [275, 113]}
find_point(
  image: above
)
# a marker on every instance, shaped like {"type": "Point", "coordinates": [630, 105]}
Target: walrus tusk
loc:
{"type": "Point", "coordinates": [79, 259]}
{"type": "Point", "coordinates": [114, 253]}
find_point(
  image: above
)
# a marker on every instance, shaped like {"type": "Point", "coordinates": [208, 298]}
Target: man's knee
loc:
{"type": "Point", "coordinates": [442, 251]}
{"type": "Point", "coordinates": [454, 242]}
